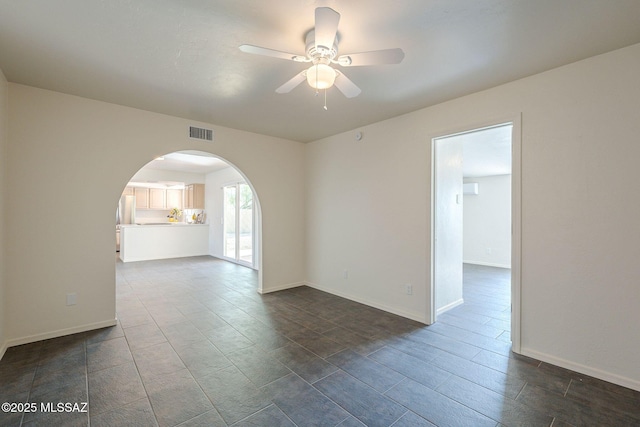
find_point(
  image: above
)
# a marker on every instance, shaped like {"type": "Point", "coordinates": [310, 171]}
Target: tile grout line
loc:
{"type": "Point", "coordinates": [33, 380]}
{"type": "Point", "coordinates": [197, 289]}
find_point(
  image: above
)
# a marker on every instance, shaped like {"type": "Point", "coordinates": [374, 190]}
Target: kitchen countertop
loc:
{"type": "Point", "coordinates": [162, 224]}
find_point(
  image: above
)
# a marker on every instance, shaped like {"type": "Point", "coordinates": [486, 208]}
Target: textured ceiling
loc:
{"type": "Point", "coordinates": [181, 57]}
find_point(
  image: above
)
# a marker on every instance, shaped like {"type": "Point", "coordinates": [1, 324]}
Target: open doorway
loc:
{"type": "Point", "coordinates": [475, 228]}
{"type": "Point", "coordinates": [184, 191]}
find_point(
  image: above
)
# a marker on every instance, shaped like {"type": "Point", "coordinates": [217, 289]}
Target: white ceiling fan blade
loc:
{"type": "Point", "coordinates": [295, 81]}
{"type": "Point", "coordinates": [326, 27]}
{"type": "Point", "coordinates": [346, 86]}
{"type": "Point", "coordinates": [375, 57]}
{"type": "Point", "coordinates": [257, 50]}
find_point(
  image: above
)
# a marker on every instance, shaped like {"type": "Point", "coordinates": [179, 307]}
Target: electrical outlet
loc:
{"type": "Point", "coordinates": [71, 299]}
{"type": "Point", "coordinates": [488, 251]}
{"type": "Point", "coordinates": [408, 289]}
{"type": "Point", "coordinates": [345, 274]}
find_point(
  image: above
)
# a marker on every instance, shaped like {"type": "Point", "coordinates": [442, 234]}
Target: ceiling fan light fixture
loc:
{"type": "Point", "coordinates": [321, 49]}
{"type": "Point", "coordinates": [321, 76]}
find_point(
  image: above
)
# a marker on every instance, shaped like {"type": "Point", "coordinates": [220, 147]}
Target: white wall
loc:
{"type": "Point", "coordinates": [69, 159]}
{"type": "Point", "coordinates": [487, 222]}
{"type": "Point", "coordinates": [366, 213]}
{"type": "Point", "coordinates": [4, 122]}
{"type": "Point", "coordinates": [147, 174]}
{"type": "Point", "coordinates": [368, 210]}
{"type": "Point", "coordinates": [448, 222]}
{"type": "Point", "coordinates": [214, 206]}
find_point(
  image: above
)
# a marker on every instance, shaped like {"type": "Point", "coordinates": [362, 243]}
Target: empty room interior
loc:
{"type": "Point", "coordinates": [326, 213]}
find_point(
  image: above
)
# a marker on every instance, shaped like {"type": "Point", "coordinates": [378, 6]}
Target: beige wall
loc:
{"type": "Point", "coordinates": [69, 160]}
{"type": "Point", "coordinates": [361, 206]}
{"type": "Point", "coordinates": [4, 105]}
{"type": "Point", "coordinates": [368, 210]}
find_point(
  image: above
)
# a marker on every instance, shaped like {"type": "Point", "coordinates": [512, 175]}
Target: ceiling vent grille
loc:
{"type": "Point", "coordinates": [200, 133]}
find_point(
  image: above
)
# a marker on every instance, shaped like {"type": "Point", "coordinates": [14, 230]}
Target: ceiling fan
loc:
{"type": "Point", "coordinates": [322, 52]}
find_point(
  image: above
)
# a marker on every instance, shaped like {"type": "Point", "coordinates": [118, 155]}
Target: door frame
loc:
{"type": "Point", "coordinates": [516, 218]}
{"type": "Point", "coordinates": [236, 259]}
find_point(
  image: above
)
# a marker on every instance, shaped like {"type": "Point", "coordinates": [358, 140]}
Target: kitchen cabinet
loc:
{"type": "Point", "coordinates": [188, 196]}
{"type": "Point", "coordinates": [157, 198]}
{"type": "Point", "coordinates": [194, 196]}
{"type": "Point", "coordinates": [142, 197]}
{"type": "Point", "coordinates": [174, 199]}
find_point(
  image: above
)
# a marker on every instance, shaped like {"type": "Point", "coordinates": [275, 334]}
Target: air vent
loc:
{"type": "Point", "coordinates": [200, 133]}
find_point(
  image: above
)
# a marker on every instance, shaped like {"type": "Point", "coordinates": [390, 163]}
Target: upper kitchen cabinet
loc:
{"type": "Point", "coordinates": [157, 198]}
{"type": "Point", "coordinates": [194, 196]}
{"type": "Point", "coordinates": [142, 197]}
{"type": "Point", "coordinates": [174, 198]}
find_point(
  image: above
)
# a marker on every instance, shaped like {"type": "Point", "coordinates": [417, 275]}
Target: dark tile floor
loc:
{"type": "Point", "coordinates": [196, 345]}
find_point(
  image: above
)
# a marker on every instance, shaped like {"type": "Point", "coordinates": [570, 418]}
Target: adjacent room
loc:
{"type": "Point", "coordinates": [473, 241]}
{"type": "Point", "coordinates": [277, 178]}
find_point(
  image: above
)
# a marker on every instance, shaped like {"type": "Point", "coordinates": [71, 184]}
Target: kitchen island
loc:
{"type": "Point", "coordinates": [142, 242]}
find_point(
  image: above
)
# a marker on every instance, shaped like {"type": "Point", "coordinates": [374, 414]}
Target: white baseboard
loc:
{"type": "Point", "coordinates": [3, 349]}
{"type": "Point", "coordinates": [60, 333]}
{"type": "Point", "coordinates": [418, 317]}
{"type": "Point", "coordinates": [488, 264]}
{"type": "Point", "coordinates": [281, 287]}
{"type": "Point", "coordinates": [583, 369]}
{"type": "Point", "coordinates": [449, 306]}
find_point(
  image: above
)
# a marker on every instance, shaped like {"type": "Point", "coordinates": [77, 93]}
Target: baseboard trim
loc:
{"type": "Point", "coordinates": [3, 349]}
{"type": "Point", "coordinates": [488, 264]}
{"type": "Point", "coordinates": [61, 333]}
{"type": "Point", "coordinates": [583, 369]}
{"type": "Point", "coordinates": [281, 287]}
{"type": "Point", "coordinates": [418, 317]}
{"type": "Point", "coordinates": [449, 306]}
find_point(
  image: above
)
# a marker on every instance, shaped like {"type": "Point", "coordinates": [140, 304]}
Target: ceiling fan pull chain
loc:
{"type": "Point", "coordinates": [325, 100]}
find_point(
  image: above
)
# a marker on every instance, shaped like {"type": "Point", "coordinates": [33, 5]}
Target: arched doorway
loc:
{"type": "Point", "coordinates": [186, 188]}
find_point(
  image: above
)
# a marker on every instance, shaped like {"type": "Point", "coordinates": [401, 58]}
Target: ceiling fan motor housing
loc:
{"type": "Point", "coordinates": [321, 49]}
{"type": "Point", "coordinates": [320, 52]}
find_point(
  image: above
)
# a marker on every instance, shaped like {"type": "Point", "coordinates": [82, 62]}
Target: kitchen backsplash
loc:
{"type": "Point", "coordinates": [145, 216]}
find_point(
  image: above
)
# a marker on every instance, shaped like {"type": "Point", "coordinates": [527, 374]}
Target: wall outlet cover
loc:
{"type": "Point", "coordinates": [72, 299]}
